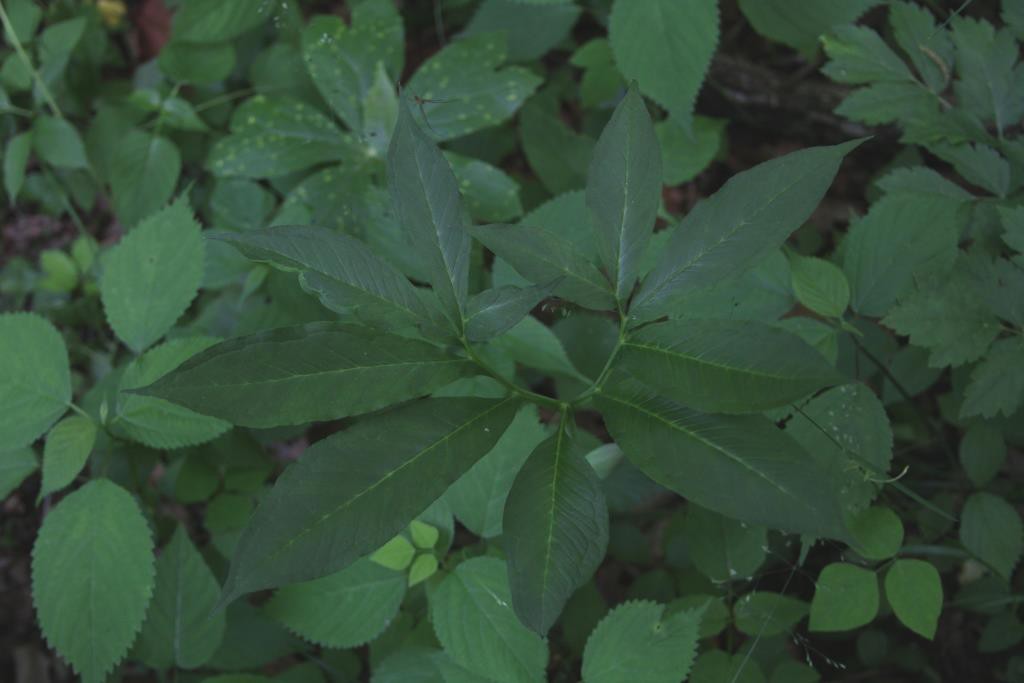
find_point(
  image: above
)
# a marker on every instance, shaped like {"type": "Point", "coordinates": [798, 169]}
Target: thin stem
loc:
{"type": "Point", "coordinates": [606, 370]}
{"type": "Point", "coordinates": [68, 205]}
{"type": "Point", "coordinates": [75, 408]}
{"type": "Point", "coordinates": [23, 56]}
{"type": "Point", "coordinates": [539, 399]}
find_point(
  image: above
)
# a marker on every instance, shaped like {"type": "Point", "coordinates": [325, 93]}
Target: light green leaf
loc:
{"type": "Point", "coordinates": [982, 452]}
{"type": "Point", "coordinates": [58, 143]}
{"type": "Point", "coordinates": [36, 388]}
{"type": "Point", "coordinates": [396, 554]}
{"type": "Point", "coordinates": [67, 448]}
{"type": "Point", "coordinates": [556, 529]}
{"type": "Point", "coordinates": [541, 257]}
{"type": "Point", "coordinates": [845, 598]}
{"type": "Point", "coordinates": [683, 154]}
{"type": "Point", "coordinates": [478, 497]}
{"type": "Point", "coordinates": [152, 275]}
{"type": "Point", "coordinates": [666, 46]}
{"type": "Point", "coordinates": [740, 466]}
{"type": "Point", "coordinates": [725, 366]}
{"type": "Point", "coordinates": [423, 535]}
{"type": "Point", "coordinates": [341, 270]}
{"type": "Point", "coordinates": [197, 63]}
{"type": "Point", "coordinates": [624, 191]}
{"type": "Point", "coordinates": [342, 60]}
{"type": "Point", "coordinates": [15, 466]}
{"type": "Point", "coordinates": [751, 215]}
{"type": "Point", "coordinates": [997, 382]}
{"type": "Point", "coordinates": [489, 193]}
{"type": "Point", "coordinates": [495, 311]}
{"type": "Point", "coordinates": [15, 159]}
{"type": "Point", "coordinates": [426, 198]}
{"type": "Point", "coordinates": [463, 90]}
{"type": "Point", "coordinates": [473, 618]}
{"type": "Point", "coordinates": [992, 530]}
{"type": "Point", "coordinates": [423, 567]}
{"type": "Point", "coordinates": [180, 630]}
{"type": "Point", "coordinates": [153, 421]}
{"type": "Point", "coordinates": [799, 23]}
{"type": "Point", "coordinates": [144, 171]}
{"type": "Point", "coordinates": [878, 532]}
{"type": "Point", "coordinates": [352, 492]}
{"type": "Point", "coordinates": [92, 577]}
{"type": "Point", "coordinates": [306, 373]}
{"type": "Point", "coordinates": [723, 549]}
{"type": "Point", "coordinates": [637, 637]}
{"type": "Point", "coordinates": [820, 286]}
{"type": "Point", "coordinates": [342, 610]}
{"type": "Point", "coordinates": [764, 614]}
{"type": "Point", "coordinates": [275, 136]}
{"type": "Point", "coordinates": [914, 590]}
{"type": "Point", "coordinates": [201, 21]}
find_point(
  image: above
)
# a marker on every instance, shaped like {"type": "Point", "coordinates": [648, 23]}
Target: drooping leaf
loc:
{"type": "Point", "coordinates": [426, 198]}
{"type": "Point", "coordinates": [67, 448]}
{"type": "Point", "coordinates": [638, 637]}
{"type": "Point", "coordinates": [318, 371]}
{"type": "Point", "coordinates": [752, 214]}
{"type": "Point", "coordinates": [542, 257]}
{"type": "Point", "coordinates": [343, 272]}
{"type": "Point", "coordinates": [180, 630]}
{"type": "Point", "coordinates": [624, 191]}
{"type": "Point", "coordinates": [472, 616]}
{"type": "Point", "coordinates": [845, 598]}
{"type": "Point", "coordinates": [914, 590]}
{"type": "Point", "coordinates": [740, 466]}
{"type": "Point", "coordinates": [152, 275]}
{"type": "Point", "coordinates": [666, 47]}
{"type": "Point", "coordinates": [352, 492]}
{"type": "Point", "coordinates": [92, 577]}
{"type": "Point", "coordinates": [555, 531]}
{"type": "Point", "coordinates": [992, 530]}
{"type": "Point", "coordinates": [36, 388]}
{"type": "Point", "coordinates": [342, 610]}
{"type": "Point", "coordinates": [725, 366]}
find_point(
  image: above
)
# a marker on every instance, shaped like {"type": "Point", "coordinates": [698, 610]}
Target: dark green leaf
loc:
{"type": "Point", "coordinates": [58, 143]}
{"type": "Point", "coordinates": [143, 174]}
{"type": "Point", "coordinates": [36, 388]}
{"type": "Point", "coordinates": [15, 159]}
{"type": "Point", "coordinates": [495, 311]}
{"type": "Point", "coordinates": [845, 598]}
{"type": "Point", "coordinates": [202, 21]}
{"type": "Point", "coordinates": [992, 530]}
{"type": "Point", "coordinates": [914, 590]}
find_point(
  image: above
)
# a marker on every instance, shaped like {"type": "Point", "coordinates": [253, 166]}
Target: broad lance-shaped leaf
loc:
{"type": "Point", "coordinates": [624, 190]}
{"type": "Point", "coordinates": [752, 214]}
{"type": "Point", "coordinates": [179, 629]}
{"type": "Point", "coordinates": [743, 467]}
{"type": "Point", "coordinates": [556, 529]}
{"type": "Point", "coordinates": [306, 373]}
{"type": "Point", "coordinates": [343, 271]}
{"type": "Point", "coordinates": [92, 577]}
{"type": "Point", "coordinates": [355, 490]}
{"type": "Point", "coordinates": [541, 256]}
{"type": "Point", "coordinates": [495, 311]}
{"type": "Point", "coordinates": [725, 366]}
{"type": "Point", "coordinates": [426, 198]}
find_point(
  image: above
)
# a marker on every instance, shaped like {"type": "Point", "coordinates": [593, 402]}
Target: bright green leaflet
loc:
{"type": "Point", "coordinates": [725, 366]}
{"type": "Point", "coordinates": [820, 286]}
{"type": "Point", "coordinates": [556, 529]}
{"type": "Point", "coordinates": [992, 530]}
{"type": "Point", "coordinates": [180, 628]}
{"type": "Point", "coordinates": [472, 616]}
{"type": "Point", "coordinates": [426, 198]}
{"type": "Point", "coordinates": [635, 637]}
{"type": "Point", "coordinates": [352, 492]}
{"type": "Point", "coordinates": [67, 448]}
{"type": "Point", "coordinates": [721, 548]}
{"type": "Point", "coordinates": [152, 275]}
{"type": "Point", "coordinates": [879, 533]}
{"type": "Point", "coordinates": [153, 421]}
{"type": "Point", "coordinates": [666, 46]}
{"type": "Point", "coordinates": [762, 613]}
{"type": "Point", "coordinates": [752, 214]}
{"type": "Point", "coordinates": [345, 609]}
{"type": "Point", "coordinates": [624, 191]}
{"type": "Point", "coordinates": [914, 590]}
{"type": "Point", "coordinates": [306, 373]}
{"type": "Point", "coordinates": [740, 466]}
{"type": "Point", "coordinates": [143, 173]}
{"type": "Point", "coordinates": [396, 554]}
{"type": "Point", "coordinates": [92, 577]}
{"type": "Point", "coordinates": [478, 498]}
{"type": "Point", "coordinates": [36, 389]}
{"type": "Point", "coordinates": [845, 598]}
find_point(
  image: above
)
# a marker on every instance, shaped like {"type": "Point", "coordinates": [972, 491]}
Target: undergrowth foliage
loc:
{"type": "Point", "coordinates": [391, 373]}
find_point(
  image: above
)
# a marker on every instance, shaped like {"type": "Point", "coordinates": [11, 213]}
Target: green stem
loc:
{"type": "Point", "coordinates": [539, 399]}
{"type": "Point", "coordinates": [12, 37]}
{"type": "Point", "coordinates": [606, 370]}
